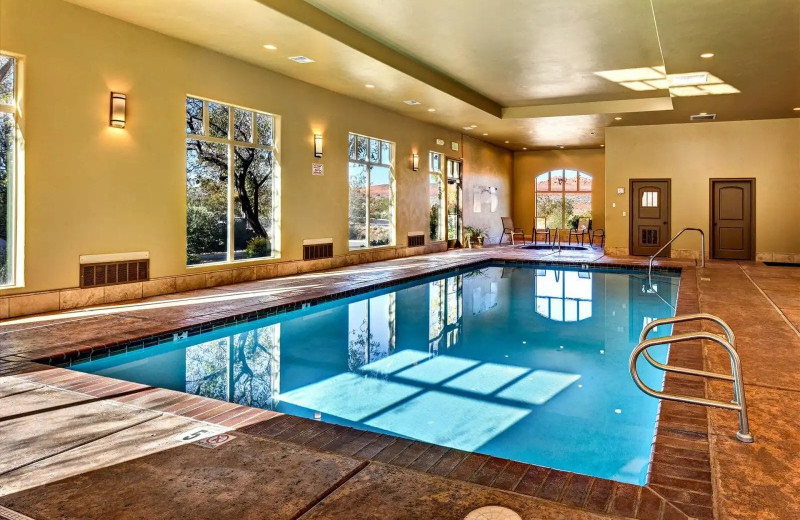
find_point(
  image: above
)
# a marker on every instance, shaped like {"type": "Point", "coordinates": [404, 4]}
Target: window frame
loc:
{"type": "Point", "coordinates": [15, 188]}
{"type": "Point", "coordinates": [433, 172]}
{"type": "Point", "coordinates": [563, 191]}
{"type": "Point", "coordinates": [231, 143]}
{"type": "Point", "coordinates": [368, 164]}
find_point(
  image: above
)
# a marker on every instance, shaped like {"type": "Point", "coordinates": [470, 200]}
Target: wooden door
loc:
{"type": "Point", "coordinates": [732, 219]}
{"type": "Point", "coordinates": [650, 216]}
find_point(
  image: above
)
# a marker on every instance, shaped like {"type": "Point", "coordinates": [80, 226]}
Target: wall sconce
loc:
{"type": "Point", "coordinates": [415, 161]}
{"type": "Point", "coordinates": [317, 145]}
{"type": "Point", "coordinates": [117, 111]}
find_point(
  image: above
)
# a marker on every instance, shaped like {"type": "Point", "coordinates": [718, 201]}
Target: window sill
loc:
{"type": "Point", "coordinates": [244, 261]}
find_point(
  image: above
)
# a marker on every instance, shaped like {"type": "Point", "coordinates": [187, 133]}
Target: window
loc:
{"type": "Point", "coordinates": [649, 199]}
{"type": "Point", "coordinates": [10, 146]}
{"type": "Point", "coordinates": [436, 197]}
{"type": "Point", "coordinates": [371, 177]}
{"type": "Point", "coordinates": [562, 197]}
{"type": "Point", "coordinates": [232, 181]}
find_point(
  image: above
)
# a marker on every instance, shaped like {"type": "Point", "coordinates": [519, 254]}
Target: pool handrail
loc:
{"type": "Point", "coordinates": [738, 404]}
{"type": "Point", "coordinates": [702, 250]}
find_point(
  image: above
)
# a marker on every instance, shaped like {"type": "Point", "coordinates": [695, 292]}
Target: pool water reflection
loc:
{"type": "Point", "coordinates": [526, 363]}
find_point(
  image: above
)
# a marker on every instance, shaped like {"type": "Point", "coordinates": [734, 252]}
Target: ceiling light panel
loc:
{"type": "Point", "coordinates": [637, 85]}
{"type": "Point", "coordinates": [301, 59]}
{"type": "Point", "coordinates": [722, 88]}
{"type": "Point", "coordinates": [637, 74]}
{"type": "Point", "coordinates": [412, 102]}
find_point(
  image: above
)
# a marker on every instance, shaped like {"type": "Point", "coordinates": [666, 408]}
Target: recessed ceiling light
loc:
{"type": "Point", "coordinates": [431, 110]}
{"type": "Point", "coordinates": [703, 113]}
{"type": "Point", "coordinates": [617, 118]}
{"type": "Point", "coordinates": [473, 126]}
{"type": "Point", "coordinates": [524, 148]}
{"type": "Point", "coordinates": [485, 133]}
{"type": "Point", "coordinates": [602, 146]}
{"type": "Point", "coordinates": [561, 146]}
{"type": "Point", "coordinates": [369, 85]}
{"type": "Point", "coordinates": [301, 59]}
{"type": "Point", "coordinates": [796, 109]}
{"type": "Point", "coordinates": [506, 142]}
{"type": "Point", "coordinates": [467, 127]}
{"type": "Point", "coordinates": [270, 47]}
{"type": "Point", "coordinates": [412, 102]}
{"type": "Point", "coordinates": [707, 55]}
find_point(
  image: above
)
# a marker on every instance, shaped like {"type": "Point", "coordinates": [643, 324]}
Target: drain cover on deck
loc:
{"type": "Point", "coordinates": [493, 513]}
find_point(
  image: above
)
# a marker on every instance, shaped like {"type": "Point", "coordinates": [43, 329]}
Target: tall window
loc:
{"type": "Point", "coordinates": [563, 295]}
{"type": "Point", "coordinates": [371, 325]}
{"type": "Point", "coordinates": [371, 178]}
{"type": "Point", "coordinates": [232, 181]}
{"type": "Point", "coordinates": [436, 197]}
{"type": "Point", "coordinates": [10, 143]}
{"type": "Point", "coordinates": [563, 197]}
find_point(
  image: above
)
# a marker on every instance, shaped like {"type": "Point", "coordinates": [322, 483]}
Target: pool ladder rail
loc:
{"type": "Point", "coordinates": [727, 342]}
{"type": "Point", "coordinates": [673, 239]}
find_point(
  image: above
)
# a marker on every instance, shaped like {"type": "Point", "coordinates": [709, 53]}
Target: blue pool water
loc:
{"type": "Point", "coordinates": [528, 363]}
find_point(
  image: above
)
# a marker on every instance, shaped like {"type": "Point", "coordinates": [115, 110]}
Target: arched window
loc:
{"type": "Point", "coordinates": [562, 196]}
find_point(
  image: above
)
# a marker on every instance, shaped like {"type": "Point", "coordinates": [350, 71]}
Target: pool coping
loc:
{"type": "Point", "coordinates": [675, 487]}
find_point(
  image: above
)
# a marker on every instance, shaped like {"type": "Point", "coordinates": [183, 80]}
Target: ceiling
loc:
{"type": "Point", "coordinates": [524, 74]}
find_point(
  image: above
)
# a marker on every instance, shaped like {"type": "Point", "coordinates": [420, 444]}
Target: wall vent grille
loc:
{"type": "Point", "coordinates": [111, 273]}
{"type": "Point", "coordinates": [317, 251]}
{"type": "Point", "coordinates": [416, 240]}
{"type": "Point", "coordinates": [703, 117]}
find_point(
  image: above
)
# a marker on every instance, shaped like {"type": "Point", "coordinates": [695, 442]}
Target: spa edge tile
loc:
{"type": "Point", "coordinates": [599, 495]}
{"type": "Point", "coordinates": [625, 500]}
{"type": "Point", "coordinates": [486, 474]}
{"type": "Point", "coordinates": [392, 450]}
{"type": "Point", "coordinates": [468, 466]}
{"type": "Point", "coordinates": [410, 454]}
{"type": "Point", "coordinates": [448, 462]}
{"type": "Point", "coordinates": [577, 490]}
{"type": "Point", "coordinates": [532, 481]}
{"type": "Point", "coordinates": [430, 457]}
{"type": "Point", "coordinates": [554, 485]}
{"type": "Point", "coordinates": [374, 447]}
{"type": "Point", "coordinates": [510, 476]}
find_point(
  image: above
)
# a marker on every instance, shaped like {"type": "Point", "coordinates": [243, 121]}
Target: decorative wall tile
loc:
{"type": "Point", "coordinates": [190, 282]}
{"type": "Point", "coordinates": [159, 286]}
{"type": "Point", "coordinates": [33, 303]}
{"type": "Point", "coordinates": [125, 291]}
{"type": "Point", "coordinates": [215, 278]}
{"type": "Point", "coordinates": [74, 298]}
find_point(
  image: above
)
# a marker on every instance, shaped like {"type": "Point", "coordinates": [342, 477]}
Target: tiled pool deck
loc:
{"type": "Point", "coordinates": [85, 446]}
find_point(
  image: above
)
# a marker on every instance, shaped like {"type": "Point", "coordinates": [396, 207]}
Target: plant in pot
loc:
{"type": "Point", "coordinates": [474, 236]}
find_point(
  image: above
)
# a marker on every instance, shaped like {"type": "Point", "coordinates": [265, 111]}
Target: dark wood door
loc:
{"type": "Point", "coordinates": [732, 219]}
{"type": "Point", "coordinates": [650, 216]}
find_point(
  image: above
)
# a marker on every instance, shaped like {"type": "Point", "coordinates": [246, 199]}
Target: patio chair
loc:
{"type": "Point", "coordinates": [593, 234]}
{"type": "Point", "coordinates": [510, 230]}
{"type": "Point", "coordinates": [581, 231]}
{"type": "Point", "coordinates": [540, 229]}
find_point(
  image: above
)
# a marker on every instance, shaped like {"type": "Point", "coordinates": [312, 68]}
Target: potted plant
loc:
{"type": "Point", "coordinates": [474, 236]}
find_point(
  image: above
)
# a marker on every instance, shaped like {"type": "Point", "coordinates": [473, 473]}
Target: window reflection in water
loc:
{"type": "Point", "coordinates": [241, 368]}
{"type": "Point", "coordinates": [563, 295]}
{"type": "Point", "coordinates": [371, 330]}
{"type": "Point", "coordinates": [445, 301]}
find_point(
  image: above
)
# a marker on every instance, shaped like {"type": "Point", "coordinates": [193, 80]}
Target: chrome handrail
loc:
{"type": "Point", "coordinates": [738, 404]}
{"type": "Point", "coordinates": [702, 249]}
{"type": "Point", "coordinates": [557, 236]}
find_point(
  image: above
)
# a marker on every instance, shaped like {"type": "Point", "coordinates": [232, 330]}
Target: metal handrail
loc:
{"type": "Point", "coordinates": [679, 319]}
{"type": "Point", "coordinates": [556, 237]}
{"type": "Point", "coordinates": [702, 249]}
{"type": "Point", "coordinates": [738, 404]}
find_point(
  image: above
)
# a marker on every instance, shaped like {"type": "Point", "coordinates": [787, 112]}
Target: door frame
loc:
{"type": "Point", "coordinates": [711, 211]}
{"type": "Point", "coordinates": [668, 250]}
{"type": "Point", "coordinates": [460, 233]}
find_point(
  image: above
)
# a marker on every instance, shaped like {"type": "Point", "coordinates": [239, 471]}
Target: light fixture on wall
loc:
{"type": "Point", "coordinates": [317, 145]}
{"type": "Point", "coordinates": [415, 161]}
{"type": "Point", "coordinates": [117, 110]}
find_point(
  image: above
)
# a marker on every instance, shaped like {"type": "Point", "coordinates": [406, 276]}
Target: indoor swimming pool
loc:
{"type": "Point", "coordinates": [524, 362]}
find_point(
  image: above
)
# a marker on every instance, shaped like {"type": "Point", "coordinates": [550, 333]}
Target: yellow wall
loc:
{"type": "Point", "coordinates": [690, 154]}
{"type": "Point", "coordinates": [528, 165]}
{"type": "Point", "coordinates": [92, 189]}
{"type": "Point", "coordinates": [487, 166]}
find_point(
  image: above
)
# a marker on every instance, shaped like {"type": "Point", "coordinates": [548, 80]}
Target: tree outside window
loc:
{"type": "Point", "coordinates": [436, 197]}
{"type": "Point", "coordinates": [9, 141]}
{"type": "Point", "coordinates": [232, 177]}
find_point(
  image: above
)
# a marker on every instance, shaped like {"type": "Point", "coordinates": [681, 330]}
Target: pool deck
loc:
{"type": "Point", "coordinates": [83, 446]}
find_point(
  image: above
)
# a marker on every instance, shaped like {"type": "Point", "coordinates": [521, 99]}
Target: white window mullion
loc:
{"type": "Point", "coordinates": [231, 151]}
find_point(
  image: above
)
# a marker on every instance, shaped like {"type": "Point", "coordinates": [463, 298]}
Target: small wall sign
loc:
{"type": "Point", "coordinates": [454, 146]}
{"type": "Point", "coordinates": [440, 142]}
{"type": "Point", "coordinates": [317, 169]}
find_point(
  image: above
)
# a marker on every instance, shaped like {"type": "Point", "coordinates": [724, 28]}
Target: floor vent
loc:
{"type": "Point", "coordinates": [416, 240]}
{"type": "Point", "coordinates": [110, 273]}
{"type": "Point", "coordinates": [315, 251]}
{"type": "Point", "coordinates": [702, 117]}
